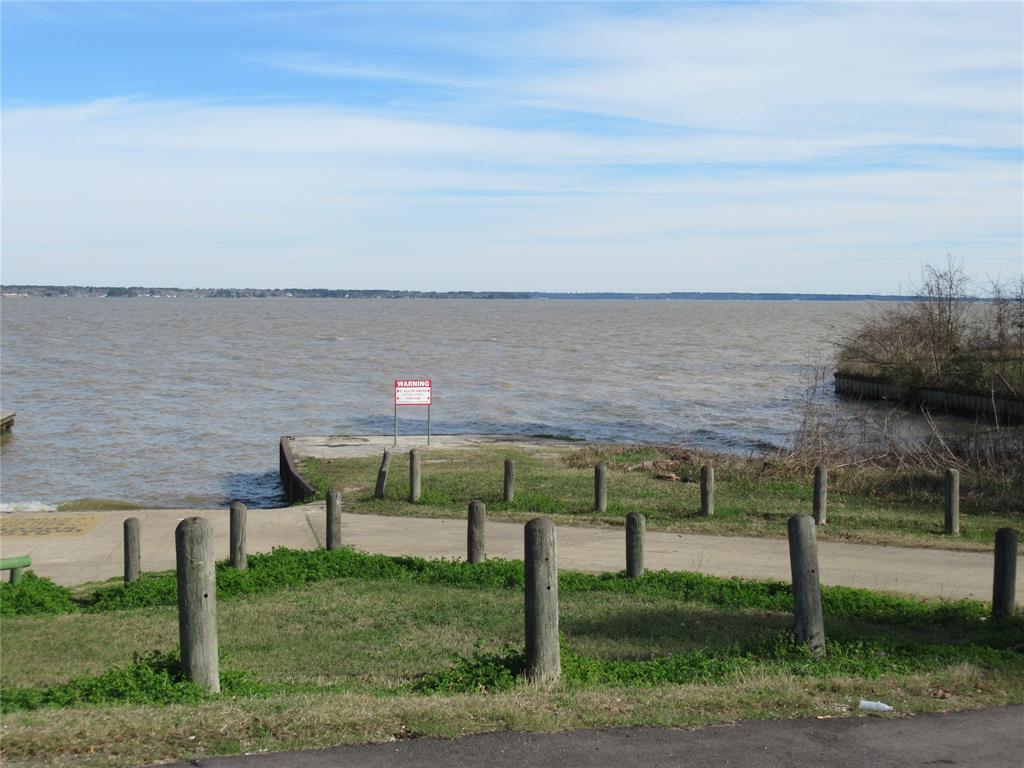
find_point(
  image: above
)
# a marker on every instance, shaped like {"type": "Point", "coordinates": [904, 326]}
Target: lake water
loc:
{"type": "Point", "coordinates": [182, 401]}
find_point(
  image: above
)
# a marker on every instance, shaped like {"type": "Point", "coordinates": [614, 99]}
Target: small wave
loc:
{"type": "Point", "coordinates": [27, 506]}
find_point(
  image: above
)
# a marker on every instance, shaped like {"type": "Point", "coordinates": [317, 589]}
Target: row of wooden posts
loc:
{"type": "Point", "coordinates": [197, 587]}
{"type": "Point", "coordinates": [951, 487]}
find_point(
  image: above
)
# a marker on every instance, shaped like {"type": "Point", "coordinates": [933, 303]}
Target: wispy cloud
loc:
{"type": "Point", "coordinates": [581, 147]}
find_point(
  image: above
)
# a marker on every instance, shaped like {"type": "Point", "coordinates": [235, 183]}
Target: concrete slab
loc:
{"type": "Point", "coordinates": [347, 446]}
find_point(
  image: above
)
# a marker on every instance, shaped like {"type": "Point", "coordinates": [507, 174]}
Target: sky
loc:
{"type": "Point", "coordinates": [715, 146]}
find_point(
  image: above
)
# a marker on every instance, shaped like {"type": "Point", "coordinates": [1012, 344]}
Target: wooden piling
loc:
{"type": "Point", "coordinates": [239, 556]}
{"type": "Point", "coordinates": [132, 556]}
{"type": "Point", "coordinates": [197, 602]}
{"type": "Point", "coordinates": [1004, 578]}
{"type": "Point", "coordinates": [414, 476]}
{"type": "Point", "coordinates": [636, 526]}
{"type": "Point", "coordinates": [803, 562]}
{"type": "Point", "coordinates": [382, 475]}
{"type": "Point", "coordinates": [707, 490]}
{"type": "Point", "coordinates": [475, 530]}
{"type": "Point", "coordinates": [543, 657]}
{"type": "Point", "coordinates": [951, 486]}
{"type": "Point", "coordinates": [332, 539]}
{"type": "Point", "coordinates": [820, 494]}
{"type": "Point", "coordinates": [509, 490]}
{"type": "Point", "coordinates": [601, 487]}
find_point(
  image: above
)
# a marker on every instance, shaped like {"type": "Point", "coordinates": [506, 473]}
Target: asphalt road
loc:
{"type": "Point", "coordinates": [992, 738]}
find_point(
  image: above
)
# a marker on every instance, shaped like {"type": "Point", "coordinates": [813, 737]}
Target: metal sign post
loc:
{"type": "Point", "coordinates": [413, 392]}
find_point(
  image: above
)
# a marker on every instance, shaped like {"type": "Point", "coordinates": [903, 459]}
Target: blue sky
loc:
{"type": "Point", "coordinates": [817, 147]}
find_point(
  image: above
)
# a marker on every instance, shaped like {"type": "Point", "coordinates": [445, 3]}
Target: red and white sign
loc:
{"type": "Point", "coordinates": [412, 391]}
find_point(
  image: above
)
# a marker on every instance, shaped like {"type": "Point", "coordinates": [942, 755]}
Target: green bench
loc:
{"type": "Point", "coordinates": [15, 566]}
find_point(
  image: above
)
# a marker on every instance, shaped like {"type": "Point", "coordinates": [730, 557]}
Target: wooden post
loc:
{"type": "Point", "coordinates": [333, 537]}
{"type": "Point", "coordinates": [601, 487]}
{"type": "Point", "coordinates": [475, 542]}
{"type": "Point", "coordinates": [951, 485]}
{"type": "Point", "coordinates": [131, 550]}
{"type": "Point", "coordinates": [636, 525]}
{"type": "Point", "coordinates": [820, 494]}
{"type": "Point", "coordinates": [510, 481]}
{"type": "Point", "coordinates": [239, 556]}
{"type": "Point", "coordinates": [1005, 576]}
{"type": "Point", "coordinates": [382, 475]}
{"type": "Point", "coordinates": [414, 476]}
{"type": "Point", "coordinates": [197, 602]}
{"type": "Point", "coordinates": [803, 562]}
{"type": "Point", "coordinates": [543, 656]}
{"type": "Point", "coordinates": [707, 490]}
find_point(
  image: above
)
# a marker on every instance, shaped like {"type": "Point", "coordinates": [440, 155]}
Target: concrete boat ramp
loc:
{"type": "Point", "coordinates": [74, 548]}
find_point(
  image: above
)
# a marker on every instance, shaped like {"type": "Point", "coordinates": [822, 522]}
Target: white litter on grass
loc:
{"type": "Point", "coordinates": [875, 706]}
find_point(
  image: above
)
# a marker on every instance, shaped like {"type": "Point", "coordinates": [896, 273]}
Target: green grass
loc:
{"type": "Point", "coordinates": [323, 648]}
{"type": "Point", "coordinates": [753, 496]}
{"type": "Point", "coordinates": [288, 568]}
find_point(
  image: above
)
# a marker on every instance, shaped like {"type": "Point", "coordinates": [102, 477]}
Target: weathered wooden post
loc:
{"type": "Point", "coordinates": [951, 486]}
{"type": "Point", "coordinates": [636, 525]}
{"type": "Point", "coordinates": [510, 481]}
{"type": "Point", "coordinates": [197, 602]}
{"type": "Point", "coordinates": [239, 556]}
{"type": "Point", "coordinates": [601, 487]}
{"type": "Point", "coordinates": [414, 476]}
{"type": "Point", "coordinates": [1005, 573]}
{"type": "Point", "coordinates": [132, 557]}
{"type": "Point", "coordinates": [820, 494]}
{"type": "Point", "coordinates": [475, 541]}
{"type": "Point", "coordinates": [382, 475]}
{"type": "Point", "coordinates": [333, 538]}
{"type": "Point", "coordinates": [543, 656]}
{"type": "Point", "coordinates": [803, 562]}
{"type": "Point", "coordinates": [707, 490]}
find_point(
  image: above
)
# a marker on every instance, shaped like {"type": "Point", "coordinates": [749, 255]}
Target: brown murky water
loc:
{"type": "Point", "coordinates": [182, 401]}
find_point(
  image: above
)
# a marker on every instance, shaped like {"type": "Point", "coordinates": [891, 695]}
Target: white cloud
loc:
{"type": "Point", "coordinates": [830, 137]}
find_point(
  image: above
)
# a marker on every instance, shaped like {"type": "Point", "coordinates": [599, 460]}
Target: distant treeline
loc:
{"type": "Point", "coordinates": [329, 293]}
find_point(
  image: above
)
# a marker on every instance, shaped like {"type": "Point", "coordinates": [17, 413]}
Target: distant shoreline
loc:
{"type": "Point", "coordinates": [79, 291]}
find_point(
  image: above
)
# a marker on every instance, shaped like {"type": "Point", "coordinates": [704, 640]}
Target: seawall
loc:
{"type": "Point", "coordinates": [296, 488]}
{"type": "Point", "coordinates": [1007, 411]}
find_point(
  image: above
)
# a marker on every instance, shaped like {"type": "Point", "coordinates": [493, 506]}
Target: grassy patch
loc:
{"type": "Point", "coordinates": [754, 496]}
{"type": "Point", "coordinates": [289, 568]}
{"type": "Point", "coordinates": [34, 594]}
{"type": "Point", "coordinates": [151, 678]}
{"type": "Point", "coordinates": [359, 648]}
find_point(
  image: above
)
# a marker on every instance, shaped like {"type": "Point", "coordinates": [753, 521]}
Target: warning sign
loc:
{"type": "Point", "coordinates": [412, 391]}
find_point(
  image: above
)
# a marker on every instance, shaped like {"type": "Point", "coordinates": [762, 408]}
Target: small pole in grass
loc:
{"type": "Point", "coordinates": [238, 515]}
{"type": "Point", "coordinates": [510, 481]}
{"type": "Point", "coordinates": [803, 562]}
{"type": "Point", "coordinates": [475, 530]}
{"type": "Point", "coordinates": [132, 557]}
{"type": "Point", "coordinates": [333, 538]}
{"type": "Point", "coordinates": [707, 490]}
{"type": "Point", "coordinates": [636, 525]}
{"type": "Point", "coordinates": [1005, 573]}
{"type": "Point", "coordinates": [414, 476]}
{"type": "Point", "coordinates": [543, 656]}
{"type": "Point", "coordinates": [951, 486]}
{"type": "Point", "coordinates": [382, 475]}
{"type": "Point", "coordinates": [601, 487]}
{"type": "Point", "coordinates": [197, 602]}
{"type": "Point", "coordinates": [820, 494]}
